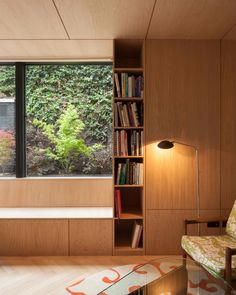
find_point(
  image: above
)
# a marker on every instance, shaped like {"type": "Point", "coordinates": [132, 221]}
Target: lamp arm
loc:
{"type": "Point", "coordinates": [185, 144]}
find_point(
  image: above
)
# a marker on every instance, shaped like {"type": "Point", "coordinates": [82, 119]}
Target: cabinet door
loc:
{"type": "Point", "coordinates": [33, 237]}
{"type": "Point", "coordinates": [91, 237]}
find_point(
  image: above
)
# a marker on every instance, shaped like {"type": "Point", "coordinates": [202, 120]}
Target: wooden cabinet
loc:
{"type": "Point", "coordinates": [90, 237]}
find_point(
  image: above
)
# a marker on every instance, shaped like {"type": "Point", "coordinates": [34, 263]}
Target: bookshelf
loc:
{"type": "Point", "coordinates": [129, 149]}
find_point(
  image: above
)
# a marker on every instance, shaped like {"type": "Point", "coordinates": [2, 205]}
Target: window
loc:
{"type": "Point", "coordinates": [7, 120]}
{"type": "Point", "coordinates": [68, 119]}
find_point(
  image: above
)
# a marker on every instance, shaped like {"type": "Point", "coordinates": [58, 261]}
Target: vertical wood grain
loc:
{"type": "Point", "coordinates": [182, 103]}
{"type": "Point", "coordinates": [164, 229]}
{"type": "Point", "coordinates": [60, 192]}
{"type": "Point", "coordinates": [228, 123]}
{"type": "Point", "coordinates": [91, 237]}
{"type": "Point", "coordinates": [33, 237]}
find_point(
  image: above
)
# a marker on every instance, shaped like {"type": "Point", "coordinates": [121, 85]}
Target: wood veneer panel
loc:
{"type": "Point", "coordinates": [56, 192]}
{"type": "Point", "coordinates": [106, 19]}
{"type": "Point", "coordinates": [55, 49]}
{"type": "Point", "coordinates": [164, 229]}
{"type": "Point", "coordinates": [182, 103]}
{"type": "Point", "coordinates": [228, 126]}
{"type": "Point", "coordinates": [191, 19]}
{"type": "Point", "coordinates": [204, 229]}
{"type": "Point", "coordinates": [30, 19]}
{"type": "Point", "coordinates": [231, 34]}
{"type": "Point", "coordinates": [90, 237]}
{"type": "Point", "coordinates": [33, 237]}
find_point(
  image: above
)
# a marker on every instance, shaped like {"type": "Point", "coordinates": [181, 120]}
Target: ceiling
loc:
{"type": "Point", "coordinates": [85, 28]}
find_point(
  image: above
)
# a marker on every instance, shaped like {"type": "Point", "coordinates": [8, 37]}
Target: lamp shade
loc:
{"type": "Point", "coordinates": [165, 144]}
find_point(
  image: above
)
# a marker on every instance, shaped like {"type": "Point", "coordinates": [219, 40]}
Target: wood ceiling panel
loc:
{"type": "Point", "coordinates": [55, 49]}
{"type": "Point", "coordinates": [191, 19]}
{"type": "Point", "coordinates": [30, 19]}
{"type": "Point", "coordinates": [105, 19]}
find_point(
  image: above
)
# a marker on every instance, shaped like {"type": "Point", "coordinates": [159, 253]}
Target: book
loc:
{"type": "Point", "coordinates": [117, 85]}
{"type": "Point", "coordinates": [116, 121]}
{"type": "Point", "coordinates": [136, 235]}
{"type": "Point", "coordinates": [118, 203]}
{"type": "Point", "coordinates": [123, 174]}
{"type": "Point", "coordinates": [126, 85]}
{"type": "Point", "coordinates": [118, 173]}
{"type": "Point", "coordinates": [126, 116]}
{"type": "Point", "coordinates": [130, 86]}
{"type": "Point", "coordinates": [123, 87]}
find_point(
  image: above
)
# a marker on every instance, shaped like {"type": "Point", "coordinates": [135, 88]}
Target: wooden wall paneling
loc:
{"type": "Point", "coordinates": [33, 237]}
{"type": "Point", "coordinates": [204, 229]}
{"type": "Point", "coordinates": [91, 237]}
{"type": "Point", "coordinates": [191, 19]}
{"type": "Point", "coordinates": [56, 192]}
{"type": "Point", "coordinates": [164, 229]}
{"type": "Point", "coordinates": [231, 34]}
{"type": "Point", "coordinates": [183, 100]}
{"type": "Point", "coordinates": [106, 19]}
{"type": "Point", "coordinates": [30, 19]}
{"type": "Point", "coordinates": [55, 49]}
{"type": "Point", "coordinates": [228, 126]}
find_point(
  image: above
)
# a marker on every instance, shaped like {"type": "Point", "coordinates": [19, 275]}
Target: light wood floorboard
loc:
{"type": "Point", "coordinates": [51, 275]}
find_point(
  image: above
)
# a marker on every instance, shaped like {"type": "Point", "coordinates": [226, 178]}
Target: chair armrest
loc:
{"type": "Point", "coordinates": [229, 252]}
{"type": "Point", "coordinates": [203, 220]}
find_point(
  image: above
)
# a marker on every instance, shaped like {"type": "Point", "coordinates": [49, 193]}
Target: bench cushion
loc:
{"type": "Point", "coordinates": [231, 223]}
{"type": "Point", "coordinates": [210, 251]}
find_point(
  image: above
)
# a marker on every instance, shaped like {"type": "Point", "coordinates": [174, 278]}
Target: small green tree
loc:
{"type": "Point", "coordinates": [65, 138]}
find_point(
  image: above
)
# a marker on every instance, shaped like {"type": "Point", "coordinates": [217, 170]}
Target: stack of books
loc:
{"type": "Point", "coordinates": [129, 173]}
{"type": "Point", "coordinates": [136, 236]}
{"type": "Point", "coordinates": [128, 114]}
{"type": "Point", "coordinates": [128, 85]}
{"type": "Point", "coordinates": [135, 146]}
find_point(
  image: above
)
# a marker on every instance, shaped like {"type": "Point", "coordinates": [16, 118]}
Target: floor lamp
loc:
{"type": "Point", "coordinates": [167, 144]}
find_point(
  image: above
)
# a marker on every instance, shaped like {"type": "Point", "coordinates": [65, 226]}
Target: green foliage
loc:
{"type": "Point", "coordinates": [54, 93]}
{"type": "Point", "coordinates": [50, 88]}
{"type": "Point", "coordinates": [65, 139]}
{"type": "Point", "coordinates": [7, 145]}
{"type": "Point", "coordinates": [7, 81]}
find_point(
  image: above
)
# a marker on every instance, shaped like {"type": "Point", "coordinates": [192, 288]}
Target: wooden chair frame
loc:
{"type": "Point", "coordinates": [229, 252]}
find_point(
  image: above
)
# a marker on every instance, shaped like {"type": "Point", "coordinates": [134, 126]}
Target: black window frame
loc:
{"type": "Point", "coordinates": [20, 107]}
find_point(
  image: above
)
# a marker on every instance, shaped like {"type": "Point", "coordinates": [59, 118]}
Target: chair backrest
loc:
{"type": "Point", "coordinates": [231, 223]}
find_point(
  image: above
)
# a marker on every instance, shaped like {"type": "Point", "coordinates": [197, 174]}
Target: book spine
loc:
{"type": "Point", "coordinates": [123, 174]}
{"type": "Point", "coordinates": [118, 173]}
{"type": "Point", "coordinates": [119, 108]}
{"type": "Point", "coordinates": [130, 87]}
{"type": "Point", "coordinates": [115, 145]}
{"type": "Point", "coordinates": [127, 171]}
{"type": "Point", "coordinates": [141, 144]}
{"type": "Point", "coordinates": [141, 174]}
{"type": "Point", "coordinates": [123, 84]}
{"type": "Point", "coordinates": [116, 122]}
{"type": "Point", "coordinates": [117, 85]}
{"type": "Point", "coordinates": [119, 204]}
{"type": "Point", "coordinates": [126, 85]}
{"type": "Point", "coordinates": [126, 117]}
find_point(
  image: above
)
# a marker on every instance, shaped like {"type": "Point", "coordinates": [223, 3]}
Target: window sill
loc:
{"type": "Point", "coordinates": [57, 177]}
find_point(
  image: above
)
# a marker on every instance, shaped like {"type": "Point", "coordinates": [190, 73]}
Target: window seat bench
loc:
{"type": "Point", "coordinates": [56, 213]}
{"type": "Point", "coordinates": [56, 231]}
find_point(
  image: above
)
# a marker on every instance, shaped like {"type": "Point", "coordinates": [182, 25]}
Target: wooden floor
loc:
{"type": "Point", "coordinates": [50, 275]}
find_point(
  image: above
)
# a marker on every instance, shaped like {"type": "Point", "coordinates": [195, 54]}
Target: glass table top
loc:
{"type": "Point", "coordinates": [167, 276]}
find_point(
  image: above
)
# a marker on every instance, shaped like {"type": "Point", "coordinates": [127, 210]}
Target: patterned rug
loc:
{"type": "Point", "coordinates": [198, 282]}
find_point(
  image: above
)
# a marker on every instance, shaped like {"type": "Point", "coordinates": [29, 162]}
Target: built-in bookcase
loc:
{"type": "Point", "coordinates": [129, 147]}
